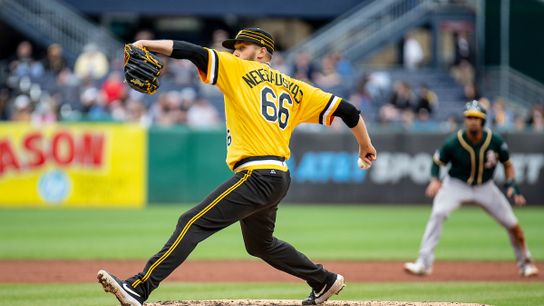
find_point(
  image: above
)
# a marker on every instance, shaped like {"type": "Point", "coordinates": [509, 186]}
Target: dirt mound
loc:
{"type": "Point", "coordinates": [297, 303]}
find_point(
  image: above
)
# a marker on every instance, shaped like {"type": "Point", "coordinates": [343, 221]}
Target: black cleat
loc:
{"type": "Point", "coordinates": [122, 291]}
{"type": "Point", "coordinates": [333, 285]}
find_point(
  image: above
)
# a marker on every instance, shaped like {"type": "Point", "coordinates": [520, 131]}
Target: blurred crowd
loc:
{"type": "Point", "coordinates": [49, 89]}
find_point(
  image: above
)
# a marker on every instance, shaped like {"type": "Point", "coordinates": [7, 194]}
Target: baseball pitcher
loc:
{"type": "Point", "coordinates": [262, 106]}
{"type": "Point", "coordinates": [473, 154]}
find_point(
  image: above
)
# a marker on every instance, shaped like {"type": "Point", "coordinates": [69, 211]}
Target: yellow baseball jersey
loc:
{"type": "Point", "coordinates": [262, 108]}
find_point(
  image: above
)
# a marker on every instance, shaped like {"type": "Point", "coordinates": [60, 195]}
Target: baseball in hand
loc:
{"type": "Point", "coordinates": [363, 165]}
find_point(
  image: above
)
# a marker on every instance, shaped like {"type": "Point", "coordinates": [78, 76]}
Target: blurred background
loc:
{"type": "Point", "coordinates": [72, 133]}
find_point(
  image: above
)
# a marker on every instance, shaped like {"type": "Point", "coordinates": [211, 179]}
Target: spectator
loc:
{"type": "Point", "coordinates": [403, 96]}
{"type": "Point", "coordinates": [45, 111]}
{"type": "Point", "coordinates": [423, 122]}
{"type": "Point", "coordinates": [379, 84]}
{"type": "Point", "coordinates": [536, 111]}
{"type": "Point", "coordinates": [24, 65]}
{"type": "Point", "coordinates": [464, 73]}
{"type": "Point", "coordinates": [485, 102]}
{"type": "Point", "coordinates": [463, 63]}
{"type": "Point", "coordinates": [136, 112]}
{"type": "Point", "coordinates": [218, 36]}
{"type": "Point", "coordinates": [413, 52]}
{"type": "Point", "coordinates": [202, 115]}
{"type": "Point", "coordinates": [183, 73]}
{"type": "Point", "coordinates": [67, 89]}
{"type": "Point", "coordinates": [462, 48]}
{"type": "Point", "coordinates": [427, 100]}
{"type": "Point", "coordinates": [327, 78]}
{"type": "Point", "coordinates": [470, 92]}
{"type": "Point", "coordinates": [407, 119]}
{"type": "Point", "coordinates": [388, 113]}
{"type": "Point", "coordinates": [22, 109]}
{"type": "Point", "coordinates": [303, 68]}
{"type": "Point", "coordinates": [113, 88]}
{"type": "Point", "coordinates": [537, 121]}
{"type": "Point", "coordinates": [93, 106]}
{"type": "Point", "coordinates": [519, 123]}
{"type": "Point", "coordinates": [342, 65]}
{"type": "Point", "coordinates": [278, 62]}
{"type": "Point", "coordinates": [144, 34]}
{"type": "Point", "coordinates": [360, 97]}
{"type": "Point", "coordinates": [450, 125]}
{"type": "Point", "coordinates": [168, 110]}
{"type": "Point", "coordinates": [501, 117]}
{"type": "Point", "coordinates": [91, 64]}
{"type": "Point", "coordinates": [4, 111]}
{"type": "Point", "coordinates": [26, 76]}
{"type": "Point", "coordinates": [54, 61]}
{"type": "Point", "coordinates": [118, 111]}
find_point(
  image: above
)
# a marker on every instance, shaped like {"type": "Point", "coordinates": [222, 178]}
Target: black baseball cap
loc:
{"type": "Point", "coordinates": [253, 35]}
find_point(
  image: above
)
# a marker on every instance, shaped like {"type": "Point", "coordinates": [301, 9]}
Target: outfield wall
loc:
{"type": "Point", "coordinates": [123, 165]}
{"type": "Point", "coordinates": [323, 167]}
{"type": "Point", "coordinates": [184, 165]}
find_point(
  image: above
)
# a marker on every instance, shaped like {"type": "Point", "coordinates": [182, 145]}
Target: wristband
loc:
{"type": "Point", "coordinates": [511, 183]}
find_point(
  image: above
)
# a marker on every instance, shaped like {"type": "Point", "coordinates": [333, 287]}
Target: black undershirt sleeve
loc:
{"type": "Point", "coordinates": [348, 113]}
{"type": "Point", "coordinates": [435, 170]}
{"type": "Point", "coordinates": [198, 55]}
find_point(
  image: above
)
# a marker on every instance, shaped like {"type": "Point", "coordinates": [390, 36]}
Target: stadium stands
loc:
{"type": "Point", "coordinates": [88, 85]}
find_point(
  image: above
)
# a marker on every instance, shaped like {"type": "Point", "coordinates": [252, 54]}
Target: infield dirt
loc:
{"type": "Point", "coordinates": [82, 271]}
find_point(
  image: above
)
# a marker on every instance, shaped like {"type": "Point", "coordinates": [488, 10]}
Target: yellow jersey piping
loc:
{"type": "Point", "coordinates": [186, 228]}
{"type": "Point", "coordinates": [482, 151]}
{"type": "Point", "coordinates": [472, 153]}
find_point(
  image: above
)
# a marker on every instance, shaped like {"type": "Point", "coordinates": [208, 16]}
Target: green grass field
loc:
{"type": "Point", "coordinates": [323, 232]}
{"type": "Point", "coordinates": [518, 294]}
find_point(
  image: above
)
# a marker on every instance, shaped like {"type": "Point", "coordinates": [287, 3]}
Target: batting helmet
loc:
{"type": "Point", "coordinates": [475, 109]}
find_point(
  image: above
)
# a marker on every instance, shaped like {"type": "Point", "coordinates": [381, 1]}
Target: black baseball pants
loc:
{"type": "Point", "coordinates": [251, 197]}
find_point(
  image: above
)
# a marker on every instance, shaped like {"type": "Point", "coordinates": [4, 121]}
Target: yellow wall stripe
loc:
{"type": "Point", "coordinates": [186, 228]}
{"type": "Point", "coordinates": [465, 145]}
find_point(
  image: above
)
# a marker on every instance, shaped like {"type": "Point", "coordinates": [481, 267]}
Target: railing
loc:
{"type": "Point", "coordinates": [50, 21]}
{"type": "Point", "coordinates": [355, 28]}
{"type": "Point", "coordinates": [367, 26]}
{"type": "Point", "coordinates": [512, 85]}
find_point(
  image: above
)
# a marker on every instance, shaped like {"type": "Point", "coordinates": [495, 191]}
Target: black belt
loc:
{"type": "Point", "coordinates": [254, 158]}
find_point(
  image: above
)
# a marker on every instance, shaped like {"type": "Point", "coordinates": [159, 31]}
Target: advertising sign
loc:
{"type": "Point", "coordinates": [72, 165]}
{"type": "Point", "coordinates": [324, 168]}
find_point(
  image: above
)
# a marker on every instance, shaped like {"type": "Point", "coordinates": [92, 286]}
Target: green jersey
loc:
{"type": "Point", "coordinates": [473, 163]}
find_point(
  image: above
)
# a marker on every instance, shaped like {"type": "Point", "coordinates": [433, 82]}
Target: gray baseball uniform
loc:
{"type": "Point", "coordinates": [470, 180]}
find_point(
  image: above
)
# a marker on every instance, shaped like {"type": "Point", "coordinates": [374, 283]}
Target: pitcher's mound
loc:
{"type": "Point", "coordinates": [297, 303]}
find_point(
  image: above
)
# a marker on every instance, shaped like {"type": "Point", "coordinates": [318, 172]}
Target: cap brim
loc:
{"type": "Point", "coordinates": [471, 113]}
{"type": "Point", "coordinates": [229, 43]}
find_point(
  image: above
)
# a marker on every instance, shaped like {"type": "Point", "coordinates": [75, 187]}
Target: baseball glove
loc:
{"type": "Point", "coordinates": [142, 69]}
